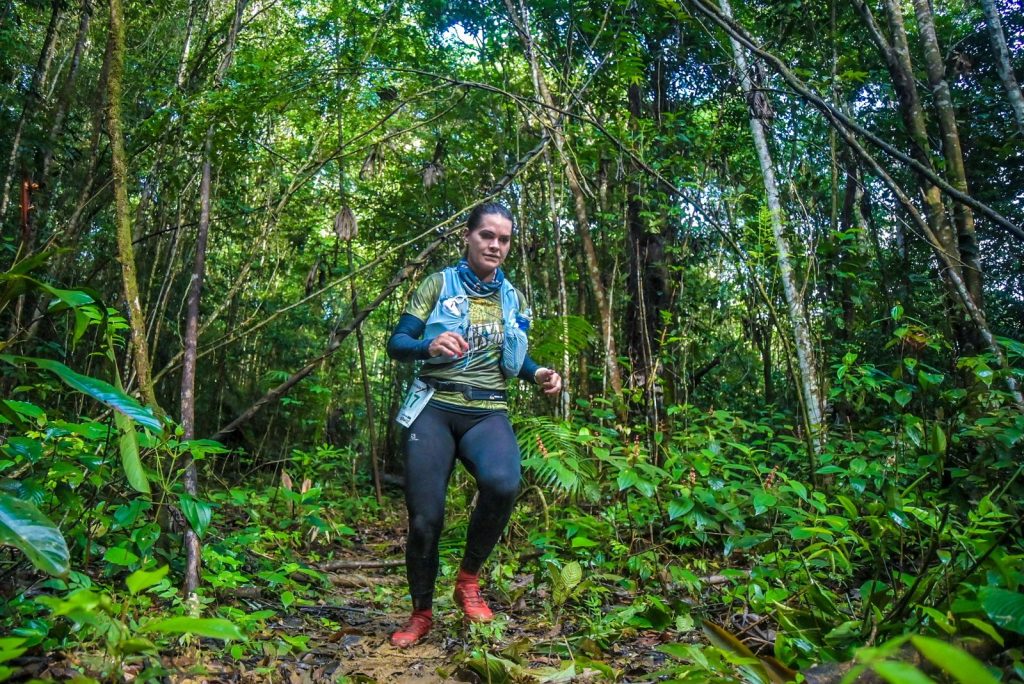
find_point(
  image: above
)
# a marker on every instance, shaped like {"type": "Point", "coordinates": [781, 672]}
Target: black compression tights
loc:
{"type": "Point", "coordinates": [487, 448]}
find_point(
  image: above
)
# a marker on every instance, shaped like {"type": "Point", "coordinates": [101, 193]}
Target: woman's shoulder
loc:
{"type": "Point", "coordinates": [426, 295]}
{"type": "Point", "coordinates": [519, 294]}
{"type": "Point", "coordinates": [433, 282]}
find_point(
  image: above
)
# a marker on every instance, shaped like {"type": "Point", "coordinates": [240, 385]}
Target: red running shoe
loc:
{"type": "Point", "coordinates": [414, 630]}
{"type": "Point", "coordinates": [468, 598]}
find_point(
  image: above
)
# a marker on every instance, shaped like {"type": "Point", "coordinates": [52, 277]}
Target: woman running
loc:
{"type": "Point", "coordinates": [468, 325]}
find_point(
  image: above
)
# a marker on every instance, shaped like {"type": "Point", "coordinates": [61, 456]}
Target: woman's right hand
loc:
{"type": "Point", "coordinates": [450, 344]}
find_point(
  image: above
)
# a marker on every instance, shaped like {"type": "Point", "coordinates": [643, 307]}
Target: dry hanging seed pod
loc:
{"type": "Point", "coordinates": [345, 226]}
{"type": "Point", "coordinates": [757, 99]}
{"type": "Point", "coordinates": [373, 163]}
{"type": "Point", "coordinates": [432, 174]}
{"type": "Point", "coordinates": [310, 282]}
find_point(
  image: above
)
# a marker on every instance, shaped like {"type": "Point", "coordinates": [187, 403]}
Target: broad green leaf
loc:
{"type": "Point", "coordinates": [99, 390]}
{"type": "Point", "coordinates": [755, 669]}
{"type": "Point", "coordinates": [144, 579]}
{"type": "Point", "coordinates": [128, 441]}
{"type": "Point", "coordinates": [902, 397]}
{"type": "Point", "coordinates": [120, 556]}
{"type": "Point", "coordinates": [798, 488]}
{"type": "Point", "coordinates": [679, 506]}
{"type": "Point", "coordinates": [900, 673]}
{"type": "Point", "coordinates": [24, 527]}
{"type": "Point", "coordinates": [11, 416]}
{"type": "Point", "coordinates": [1005, 608]}
{"type": "Point", "coordinates": [491, 668]}
{"type": "Point", "coordinates": [11, 648]}
{"type": "Point", "coordinates": [680, 651]}
{"type": "Point", "coordinates": [964, 667]}
{"type": "Point", "coordinates": [198, 513]}
{"type": "Point", "coordinates": [25, 447]}
{"type": "Point", "coordinates": [763, 501]}
{"type": "Point", "coordinates": [136, 645]}
{"type": "Point", "coordinates": [986, 628]}
{"type": "Point", "coordinates": [71, 298]}
{"type": "Point", "coordinates": [24, 408]}
{"type": "Point", "coordinates": [201, 447]}
{"type": "Point", "coordinates": [937, 443]}
{"type": "Point", "coordinates": [572, 574]}
{"type": "Point", "coordinates": [939, 619]}
{"type": "Point", "coordinates": [214, 628]}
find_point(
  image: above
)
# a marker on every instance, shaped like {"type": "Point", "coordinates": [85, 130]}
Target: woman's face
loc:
{"type": "Point", "coordinates": [488, 245]}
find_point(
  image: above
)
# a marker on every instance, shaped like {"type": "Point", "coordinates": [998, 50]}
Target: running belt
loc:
{"type": "Point", "coordinates": [468, 391]}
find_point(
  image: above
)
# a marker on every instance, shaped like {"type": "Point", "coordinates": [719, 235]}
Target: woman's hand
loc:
{"type": "Point", "coordinates": [549, 380]}
{"type": "Point", "coordinates": [450, 344]}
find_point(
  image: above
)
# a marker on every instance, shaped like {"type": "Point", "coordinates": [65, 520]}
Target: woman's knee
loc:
{"type": "Point", "coordinates": [500, 486]}
{"type": "Point", "coordinates": [426, 526]}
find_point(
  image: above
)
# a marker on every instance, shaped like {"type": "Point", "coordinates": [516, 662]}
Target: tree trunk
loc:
{"type": "Point", "coordinates": [371, 429]}
{"type": "Point", "coordinates": [191, 337]}
{"type": "Point", "coordinates": [119, 167]}
{"type": "Point", "coordinates": [33, 99]}
{"type": "Point", "coordinates": [64, 97]}
{"type": "Point", "coordinates": [646, 280]}
{"type": "Point", "coordinates": [553, 123]}
{"type": "Point", "coordinates": [810, 389]}
{"type": "Point", "coordinates": [563, 295]}
{"type": "Point", "coordinates": [897, 57]}
{"type": "Point", "coordinates": [179, 79]}
{"type": "Point", "coordinates": [967, 241]}
{"type": "Point", "coordinates": [896, 52]}
{"type": "Point", "coordinates": [1003, 66]}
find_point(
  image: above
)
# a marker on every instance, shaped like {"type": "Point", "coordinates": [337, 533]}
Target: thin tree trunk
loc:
{"type": "Point", "coordinates": [563, 297]}
{"type": "Point", "coordinates": [367, 396]}
{"type": "Point", "coordinates": [64, 97]}
{"type": "Point", "coordinates": [33, 99]}
{"type": "Point", "coordinates": [900, 67]}
{"type": "Point", "coordinates": [179, 79]}
{"type": "Point", "coordinates": [967, 241]}
{"type": "Point", "coordinates": [1003, 66]}
{"type": "Point", "coordinates": [646, 277]}
{"type": "Point", "coordinates": [896, 52]}
{"type": "Point", "coordinates": [554, 125]}
{"type": "Point", "coordinates": [809, 385]}
{"type": "Point", "coordinates": [119, 167]}
{"type": "Point", "coordinates": [191, 337]}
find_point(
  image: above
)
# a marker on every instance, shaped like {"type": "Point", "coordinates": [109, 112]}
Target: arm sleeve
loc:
{"type": "Point", "coordinates": [405, 343]}
{"type": "Point", "coordinates": [529, 370]}
{"type": "Point", "coordinates": [530, 367]}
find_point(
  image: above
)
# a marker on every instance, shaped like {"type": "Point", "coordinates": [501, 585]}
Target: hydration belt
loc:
{"type": "Point", "coordinates": [468, 391]}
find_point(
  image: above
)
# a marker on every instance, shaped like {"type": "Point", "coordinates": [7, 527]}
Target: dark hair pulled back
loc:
{"type": "Point", "coordinates": [481, 210]}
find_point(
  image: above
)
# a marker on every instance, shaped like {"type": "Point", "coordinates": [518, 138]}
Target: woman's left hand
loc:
{"type": "Point", "coordinates": [549, 380]}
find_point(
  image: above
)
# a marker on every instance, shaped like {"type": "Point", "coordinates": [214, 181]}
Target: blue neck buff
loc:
{"type": "Point", "coordinates": [472, 282]}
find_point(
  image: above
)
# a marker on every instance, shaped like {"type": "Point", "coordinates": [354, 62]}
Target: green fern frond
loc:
{"type": "Point", "coordinates": [552, 456]}
{"type": "Point", "coordinates": [552, 338]}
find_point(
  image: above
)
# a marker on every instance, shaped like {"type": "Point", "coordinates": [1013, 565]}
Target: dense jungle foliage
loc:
{"type": "Point", "coordinates": [775, 248]}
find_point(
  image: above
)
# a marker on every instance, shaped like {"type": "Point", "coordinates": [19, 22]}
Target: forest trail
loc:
{"type": "Point", "coordinates": [346, 634]}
